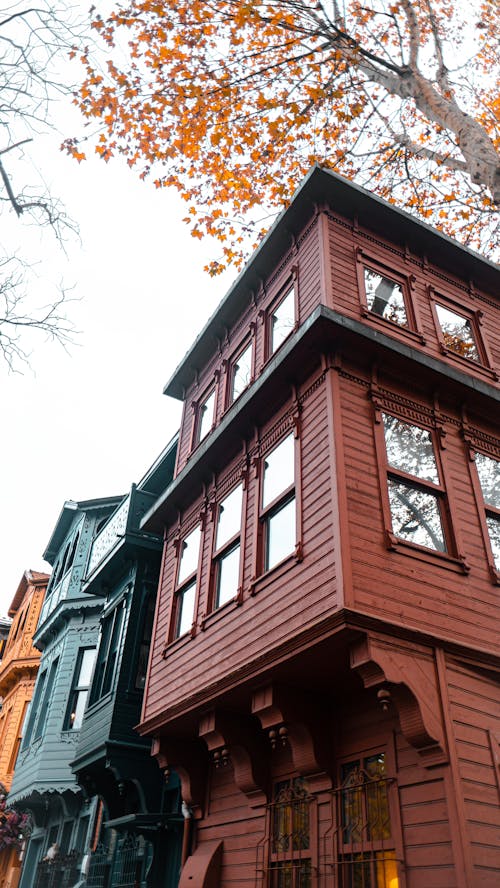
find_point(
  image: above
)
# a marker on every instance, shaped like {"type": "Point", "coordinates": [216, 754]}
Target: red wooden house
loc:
{"type": "Point", "coordinates": [324, 667]}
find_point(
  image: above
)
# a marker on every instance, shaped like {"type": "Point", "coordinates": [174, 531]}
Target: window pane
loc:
{"type": "Point", "coordinates": [282, 320]}
{"type": "Point", "coordinates": [494, 531]}
{"type": "Point", "coordinates": [76, 716]}
{"type": "Point", "coordinates": [279, 470]}
{"type": "Point", "coordinates": [377, 800]}
{"type": "Point", "coordinates": [415, 515]}
{"type": "Point", "coordinates": [229, 520]}
{"type": "Point", "coordinates": [457, 333]}
{"type": "Point", "coordinates": [190, 549]}
{"type": "Point", "coordinates": [385, 298]}
{"type": "Point", "coordinates": [228, 576]}
{"type": "Point", "coordinates": [410, 449]}
{"type": "Point", "coordinates": [281, 536]}
{"type": "Point", "coordinates": [86, 667]}
{"type": "Point", "coordinates": [488, 470]}
{"type": "Point", "coordinates": [242, 373]}
{"type": "Point", "coordinates": [206, 416]}
{"type": "Point", "coordinates": [185, 613]}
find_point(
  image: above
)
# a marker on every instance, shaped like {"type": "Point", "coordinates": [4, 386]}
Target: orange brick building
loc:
{"type": "Point", "coordinates": [18, 671]}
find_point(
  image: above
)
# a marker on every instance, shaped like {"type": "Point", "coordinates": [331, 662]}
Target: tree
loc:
{"type": "Point", "coordinates": [33, 41]}
{"type": "Point", "coordinates": [232, 101]}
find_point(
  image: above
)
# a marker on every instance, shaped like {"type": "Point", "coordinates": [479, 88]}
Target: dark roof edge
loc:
{"type": "Point", "coordinates": [69, 509]}
{"type": "Point", "coordinates": [322, 186]}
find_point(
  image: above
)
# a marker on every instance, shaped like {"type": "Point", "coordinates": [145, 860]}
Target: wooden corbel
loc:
{"type": "Point", "coordinates": [407, 677]}
{"type": "Point", "coordinates": [190, 760]}
{"type": "Point", "coordinates": [236, 738]}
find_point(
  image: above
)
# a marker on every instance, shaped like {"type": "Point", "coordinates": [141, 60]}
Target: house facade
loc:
{"type": "Point", "coordinates": [324, 665]}
{"type": "Point", "coordinates": [139, 842]}
{"type": "Point", "coordinates": [18, 671]}
{"type": "Point", "coordinates": [67, 634]}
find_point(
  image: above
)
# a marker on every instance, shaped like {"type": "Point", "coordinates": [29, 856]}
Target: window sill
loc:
{"type": "Point", "coordinates": [468, 363]}
{"type": "Point", "coordinates": [457, 564]}
{"type": "Point", "coordinates": [391, 327]}
{"type": "Point", "coordinates": [220, 612]}
{"type": "Point", "coordinates": [265, 579]}
{"type": "Point", "coordinates": [178, 643]}
{"type": "Point", "coordinates": [98, 704]}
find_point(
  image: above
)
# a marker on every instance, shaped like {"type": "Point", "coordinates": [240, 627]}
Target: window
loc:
{"type": "Point", "coordinates": [385, 297]}
{"type": "Point", "coordinates": [145, 642]}
{"type": "Point", "coordinates": [488, 470]}
{"type": "Point", "coordinates": [185, 596]}
{"type": "Point", "coordinates": [17, 742]}
{"type": "Point", "coordinates": [206, 417]}
{"type": "Point", "coordinates": [79, 689]}
{"type": "Point", "coordinates": [107, 653]}
{"type": "Point", "coordinates": [290, 846]}
{"type": "Point", "coordinates": [241, 373]}
{"type": "Point", "coordinates": [366, 848]}
{"type": "Point", "coordinates": [278, 503]}
{"type": "Point", "coordinates": [227, 547]}
{"type": "Point", "coordinates": [35, 703]}
{"type": "Point", "coordinates": [282, 321]}
{"type": "Point", "coordinates": [415, 493]}
{"type": "Point", "coordinates": [457, 332]}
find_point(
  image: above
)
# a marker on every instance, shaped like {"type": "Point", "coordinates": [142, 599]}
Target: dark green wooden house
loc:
{"type": "Point", "coordinates": [138, 835]}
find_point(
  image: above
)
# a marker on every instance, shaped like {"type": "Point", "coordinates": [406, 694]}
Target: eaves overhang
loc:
{"type": "Point", "coordinates": [319, 188]}
{"type": "Point", "coordinates": [66, 517]}
{"type": "Point", "coordinates": [65, 611]}
{"type": "Point", "coordinates": [323, 330]}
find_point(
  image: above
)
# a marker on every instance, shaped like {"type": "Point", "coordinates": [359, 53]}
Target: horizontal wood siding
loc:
{"type": "Point", "coordinates": [425, 280]}
{"type": "Point", "coordinates": [475, 712]}
{"type": "Point", "coordinates": [305, 259]}
{"type": "Point", "coordinates": [286, 600]}
{"type": "Point", "coordinates": [398, 586]}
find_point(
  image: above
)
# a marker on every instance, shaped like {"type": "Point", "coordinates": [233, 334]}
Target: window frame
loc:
{"type": "Point", "coordinates": [42, 714]}
{"type": "Point", "coordinates": [184, 586]}
{"type": "Point", "coordinates": [279, 502]}
{"type": "Point", "coordinates": [197, 406]}
{"type": "Point", "coordinates": [148, 606]}
{"type": "Point", "coordinates": [372, 845]}
{"type": "Point", "coordinates": [77, 690]}
{"type": "Point", "coordinates": [248, 343]}
{"type": "Point", "coordinates": [474, 317]}
{"type": "Point", "coordinates": [407, 283]}
{"type": "Point", "coordinates": [226, 549]}
{"type": "Point", "coordinates": [103, 674]}
{"type": "Point", "coordinates": [451, 557]}
{"type": "Point", "coordinates": [483, 507]}
{"type": "Point", "coordinates": [289, 287]}
{"type": "Point", "coordinates": [291, 855]}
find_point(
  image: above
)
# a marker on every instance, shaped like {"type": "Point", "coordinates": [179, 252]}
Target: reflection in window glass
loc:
{"type": "Point", "coordinates": [281, 534]}
{"type": "Point", "coordinates": [80, 689]}
{"type": "Point", "coordinates": [416, 515]}
{"type": "Point", "coordinates": [228, 573]}
{"type": "Point", "coordinates": [206, 416]}
{"type": "Point", "coordinates": [385, 298]}
{"type": "Point", "coordinates": [488, 470]}
{"type": "Point", "coordinates": [493, 522]}
{"type": "Point", "coordinates": [185, 609]}
{"type": "Point", "coordinates": [242, 373]}
{"type": "Point", "coordinates": [457, 333]}
{"type": "Point", "coordinates": [282, 320]}
{"type": "Point", "coordinates": [229, 518]}
{"type": "Point", "coordinates": [279, 470]}
{"type": "Point", "coordinates": [190, 549]}
{"type": "Point", "coordinates": [410, 449]}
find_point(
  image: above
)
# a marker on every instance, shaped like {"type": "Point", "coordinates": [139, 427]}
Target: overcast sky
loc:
{"type": "Point", "coordinates": [89, 422]}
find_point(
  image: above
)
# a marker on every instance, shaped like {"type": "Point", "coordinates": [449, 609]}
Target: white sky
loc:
{"type": "Point", "coordinates": [89, 423]}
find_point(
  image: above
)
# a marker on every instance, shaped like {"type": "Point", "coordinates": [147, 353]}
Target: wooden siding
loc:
{"type": "Point", "coordinates": [474, 699]}
{"type": "Point", "coordinates": [398, 585]}
{"type": "Point", "coordinates": [268, 617]}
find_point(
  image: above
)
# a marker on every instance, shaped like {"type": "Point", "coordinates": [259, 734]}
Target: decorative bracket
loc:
{"type": "Point", "coordinates": [190, 760]}
{"type": "Point", "coordinates": [235, 737]}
